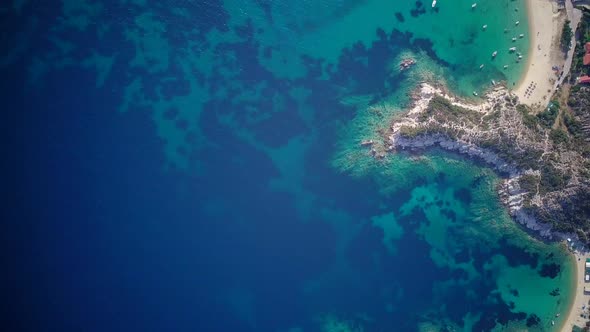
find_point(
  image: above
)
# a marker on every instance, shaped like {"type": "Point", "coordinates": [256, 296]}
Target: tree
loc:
{"type": "Point", "coordinates": [566, 36]}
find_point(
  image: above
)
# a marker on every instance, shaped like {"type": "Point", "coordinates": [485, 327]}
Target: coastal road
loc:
{"type": "Point", "coordinates": [574, 15]}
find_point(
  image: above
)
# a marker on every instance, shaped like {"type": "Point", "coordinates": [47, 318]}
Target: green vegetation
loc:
{"type": "Point", "coordinates": [529, 183]}
{"type": "Point", "coordinates": [551, 179]}
{"type": "Point", "coordinates": [524, 160]}
{"type": "Point", "coordinates": [444, 111]}
{"type": "Point", "coordinates": [573, 125]}
{"type": "Point", "coordinates": [575, 89]}
{"type": "Point", "coordinates": [411, 132]}
{"type": "Point", "coordinates": [578, 68]}
{"type": "Point", "coordinates": [529, 120]}
{"type": "Point", "coordinates": [559, 136]}
{"type": "Point", "coordinates": [495, 115]}
{"type": "Point", "coordinates": [585, 172]}
{"type": "Point", "coordinates": [576, 216]}
{"type": "Point", "coordinates": [566, 36]}
{"type": "Point", "coordinates": [505, 149]}
{"type": "Point", "coordinates": [584, 27]}
{"type": "Point", "coordinates": [548, 116]}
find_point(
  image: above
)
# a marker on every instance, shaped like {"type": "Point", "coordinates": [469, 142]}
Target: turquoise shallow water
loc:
{"type": "Point", "coordinates": [196, 166]}
{"type": "Point", "coordinates": [322, 29]}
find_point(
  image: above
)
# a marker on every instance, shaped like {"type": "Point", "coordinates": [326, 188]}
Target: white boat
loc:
{"type": "Point", "coordinates": [481, 67]}
{"type": "Point", "coordinates": [475, 93]}
{"type": "Point", "coordinates": [406, 63]}
{"type": "Point", "coordinates": [505, 66]}
{"type": "Point", "coordinates": [473, 6]}
{"type": "Point", "coordinates": [494, 54]}
{"type": "Point", "coordinates": [512, 49]}
{"type": "Point", "coordinates": [520, 57]}
{"type": "Point", "coordinates": [433, 3]}
{"type": "Point", "coordinates": [517, 23]}
{"type": "Point", "coordinates": [521, 35]}
{"type": "Point", "coordinates": [493, 82]}
{"type": "Point", "coordinates": [513, 39]}
{"type": "Point", "coordinates": [485, 26]}
{"type": "Point", "coordinates": [367, 142]}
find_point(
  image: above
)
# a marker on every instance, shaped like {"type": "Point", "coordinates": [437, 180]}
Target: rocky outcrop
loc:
{"type": "Point", "coordinates": [466, 148]}
{"type": "Point", "coordinates": [497, 133]}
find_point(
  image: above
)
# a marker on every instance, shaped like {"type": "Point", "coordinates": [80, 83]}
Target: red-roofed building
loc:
{"type": "Point", "coordinates": [587, 56]}
{"type": "Point", "coordinates": [584, 79]}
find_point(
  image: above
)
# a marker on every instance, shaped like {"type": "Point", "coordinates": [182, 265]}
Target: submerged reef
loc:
{"type": "Point", "coordinates": [331, 323]}
{"type": "Point", "coordinates": [545, 168]}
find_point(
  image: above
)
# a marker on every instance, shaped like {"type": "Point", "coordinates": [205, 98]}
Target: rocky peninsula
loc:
{"type": "Point", "coordinates": [545, 168]}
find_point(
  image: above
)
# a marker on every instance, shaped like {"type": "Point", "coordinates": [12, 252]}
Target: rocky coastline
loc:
{"type": "Point", "coordinates": [509, 190]}
{"type": "Point", "coordinates": [438, 119]}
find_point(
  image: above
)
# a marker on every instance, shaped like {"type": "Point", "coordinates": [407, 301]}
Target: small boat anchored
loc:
{"type": "Point", "coordinates": [494, 54]}
{"type": "Point", "coordinates": [367, 142]}
{"type": "Point", "coordinates": [406, 63]}
{"type": "Point", "coordinates": [517, 23]}
{"type": "Point", "coordinates": [433, 3]}
{"type": "Point", "coordinates": [475, 93]}
{"type": "Point", "coordinates": [493, 83]}
{"type": "Point", "coordinates": [513, 39]}
{"type": "Point", "coordinates": [485, 26]}
{"type": "Point", "coordinates": [512, 49]}
{"type": "Point", "coordinates": [474, 5]}
{"type": "Point", "coordinates": [481, 66]}
{"type": "Point", "coordinates": [521, 35]}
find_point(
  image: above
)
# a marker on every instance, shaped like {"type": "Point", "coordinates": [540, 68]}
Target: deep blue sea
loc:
{"type": "Point", "coordinates": [195, 166]}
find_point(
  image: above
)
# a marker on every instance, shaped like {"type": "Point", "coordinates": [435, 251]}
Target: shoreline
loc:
{"type": "Point", "coordinates": [580, 298]}
{"type": "Point", "coordinates": [535, 88]}
{"type": "Point", "coordinates": [536, 85]}
{"type": "Point", "coordinates": [546, 54]}
{"type": "Point", "coordinates": [414, 132]}
{"type": "Point", "coordinates": [509, 191]}
{"type": "Point", "coordinates": [528, 8]}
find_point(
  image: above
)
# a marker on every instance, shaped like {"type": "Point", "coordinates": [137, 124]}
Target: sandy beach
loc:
{"type": "Point", "coordinates": [545, 24]}
{"type": "Point", "coordinates": [581, 298]}
{"type": "Point", "coordinates": [535, 89]}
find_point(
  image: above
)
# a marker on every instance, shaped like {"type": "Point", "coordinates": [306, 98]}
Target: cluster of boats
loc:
{"type": "Point", "coordinates": [511, 49]}
{"type": "Point", "coordinates": [406, 63]}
